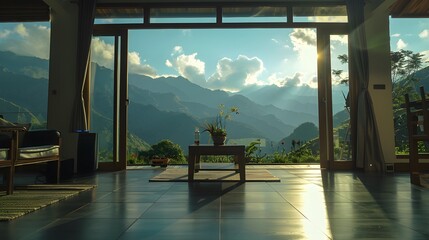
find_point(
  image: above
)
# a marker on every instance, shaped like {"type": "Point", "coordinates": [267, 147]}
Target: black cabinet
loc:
{"type": "Point", "coordinates": [87, 153]}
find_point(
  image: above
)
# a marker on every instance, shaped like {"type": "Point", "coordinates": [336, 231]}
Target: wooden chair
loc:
{"type": "Point", "coordinates": [418, 131]}
{"type": "Point", "coordinates": [7, 164]}
{"type": "Point", "coordinates": [40, 146]}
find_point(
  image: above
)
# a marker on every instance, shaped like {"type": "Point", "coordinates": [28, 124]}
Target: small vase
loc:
{"type": "Point", "coordinates": [218, 140]}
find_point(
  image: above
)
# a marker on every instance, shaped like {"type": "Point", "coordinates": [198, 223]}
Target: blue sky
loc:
{"type": "Point", "coordinates": [410, 34]}
{"type": "Point", "coordinates": [227, 59]}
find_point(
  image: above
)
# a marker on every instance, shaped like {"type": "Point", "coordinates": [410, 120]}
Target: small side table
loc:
{"type": "Point", "coordinates": [195, 152]}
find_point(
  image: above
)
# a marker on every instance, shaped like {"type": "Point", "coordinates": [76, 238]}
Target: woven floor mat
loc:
{"type": "Point", "coordinates": [26, 199]}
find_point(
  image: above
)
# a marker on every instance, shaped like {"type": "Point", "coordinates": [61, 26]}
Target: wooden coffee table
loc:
{"type": "Point", "coordinates": [196, 151]}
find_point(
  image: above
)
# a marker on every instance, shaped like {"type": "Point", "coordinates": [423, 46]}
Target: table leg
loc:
{"type": "Point", "coordinates": [236, 164]}
{"type": "Point", "coordinates": [191, 166]}
{"type": "Point", "coordinates": [197, 162]}
{"type": "Point", "coordinates": [242, 167]}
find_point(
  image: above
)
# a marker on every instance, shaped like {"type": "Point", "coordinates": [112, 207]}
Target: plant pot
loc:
{"type": "Point", "coordinates": [163, 162]}
{"type": "Point", "coordinates": [218, 140]}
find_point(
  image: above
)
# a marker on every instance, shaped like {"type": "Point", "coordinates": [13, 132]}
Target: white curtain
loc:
{"type": "Point", "coordinates": [85, 28]}
{"type": "Point", "coordinates": [367, 151]}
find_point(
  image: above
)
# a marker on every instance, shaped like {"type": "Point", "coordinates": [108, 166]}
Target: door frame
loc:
{"type": "Point", "coordinates": [120, 119]}
{"type": "Point", "coordinates": [324, 31]}
{"type": "Point", "coordinates": [324, 69]}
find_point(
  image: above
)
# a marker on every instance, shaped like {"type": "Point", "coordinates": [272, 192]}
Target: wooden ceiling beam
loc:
{"type": "Point", "coordinates": [410, 9]}
{"type": "Point", "coordinates": [24, 11]}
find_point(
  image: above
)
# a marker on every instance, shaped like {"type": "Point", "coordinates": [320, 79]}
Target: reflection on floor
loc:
{"type": "Point", "coordinates": [308, 203]}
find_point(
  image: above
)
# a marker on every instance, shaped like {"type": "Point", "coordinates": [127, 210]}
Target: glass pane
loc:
{"type": "Point", "coordinates": [408, 44]}
{"type": "Point", "coordinates": [340, 97]}
{"type": "Point", "coordinates": [183, 15]}
{"type": "Point", "coordinates": [271, 79]}
{"type": "Point", "coordinates": [118, 20]}
{"type": "Point", "coordinates": [119, 15]}
{"type": "Point", "coordinates": [320, 14]}
{"type": "Point", "coordinates": [24, 71]}
{"type": "Point", "coordinates": [102, 96]}
{"type": "Point", "coordinates": [254, 14]}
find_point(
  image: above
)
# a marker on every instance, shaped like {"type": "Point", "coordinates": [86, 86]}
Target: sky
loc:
{"type": "Point", "coordinates": [228, 59]}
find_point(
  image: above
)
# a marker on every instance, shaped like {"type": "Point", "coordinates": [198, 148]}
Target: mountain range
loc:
{"type": "Point", "coordinates": [164, 107]}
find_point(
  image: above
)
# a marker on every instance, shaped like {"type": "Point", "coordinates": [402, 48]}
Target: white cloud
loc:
{"type": "Point", "coordinates": [342, 39]}
{"type": "Point", "coordinates": [188, 66]}
{"type": "Point", "coordinates": [400, 44]}
{"type": "Point", "coordinates": [275, 40]}
{"type": "Point", "coordinates": [304, 44]}
{"type": "Point", "coordinates": [27, 40]}
{"type": "Point", "coordinates": [102, 54]}
{"type": "Point", "coordinates": [176, 50]}
{"type": "Point", "coordinates": [328, 19]}
{"type": "Point", "coordinates": [303, 38]}
{"type": "Point", "coordinates": [313, 82]}
{"type": "Point", "coordinates": [396, 35]}
{"type": "Point", "coordinates": [33, 40]}
{"type": "Point", "coordinates": [424, 34]}
{"type": "Point", "coordinates": [134, 58]}
{"type": "Point", "coordinates": [232, 75]}
{"type": "Point", "coordinates": [425, 58]}
{"type": "Point", "coordinates": [280, 43]}
{"type": "Point", "coordinates": [5, 33]}
{"type": "Point", "coordinates": [21, 30]}
{"type": "Point", "coordinates": [135, 65]}
{"type": "Point", "coordinates": [281, 80]}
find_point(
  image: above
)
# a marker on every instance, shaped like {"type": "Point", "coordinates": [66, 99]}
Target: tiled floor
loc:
{"type": "Point", "coordinates": [306, 204]}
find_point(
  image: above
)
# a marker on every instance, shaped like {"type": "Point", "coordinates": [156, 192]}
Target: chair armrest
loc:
{"type": "Point", "coordinates": [7, 132]}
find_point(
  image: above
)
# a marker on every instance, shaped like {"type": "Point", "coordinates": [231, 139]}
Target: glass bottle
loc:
{"type": "Point", "coordinates": [197, 136]}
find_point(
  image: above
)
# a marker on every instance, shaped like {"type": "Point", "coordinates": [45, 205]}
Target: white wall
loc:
{"type": "Point", "coordinates": [62, 72]}
{"type": "Point", "coordinates": [378, 37]}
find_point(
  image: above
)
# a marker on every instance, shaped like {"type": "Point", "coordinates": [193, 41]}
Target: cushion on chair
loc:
{"type": "Point", "coordinates": [39, 151]}
{"type": "Point", "coordinates": [3, 153]}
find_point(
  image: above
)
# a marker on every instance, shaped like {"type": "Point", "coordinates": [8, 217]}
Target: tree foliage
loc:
{"type": "Point", "coordinates": [165, 149]}
{"type": "Point", "coordinates": [404, 65]}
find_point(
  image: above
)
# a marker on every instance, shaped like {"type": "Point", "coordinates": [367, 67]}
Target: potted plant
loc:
{"type": "Point", "coordinates": [163, 152]}
{"type": "Point", "coordinates": [159, 161]}
{"type": "Point", "coordinates": [217, 129]}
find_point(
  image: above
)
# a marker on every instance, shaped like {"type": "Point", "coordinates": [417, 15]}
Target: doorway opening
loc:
{"type": "Point", "coordinates": [181, 72]}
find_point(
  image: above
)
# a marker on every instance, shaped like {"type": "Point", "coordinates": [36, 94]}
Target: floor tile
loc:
{"type": "Point", "coordinates": [306, 204]}
{"type": "Point", "coordinates": [270, 229]}
{"type": "Point", "coordinates": [259, 210]}
{"type": "Point", "coordinates": [199, 210]}
{"type": "Point", "coordinates": [177, 229]}
{"type": "Point", "coordinates": [82, 229]}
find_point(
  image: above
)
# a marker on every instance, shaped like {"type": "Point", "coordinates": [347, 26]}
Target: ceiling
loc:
{"type": "Point", "coordinates": [410, 9]}
{"type": "Point", "coordinates": [38, 10]}
{"type": "Point", "coordinates": [23, 11]}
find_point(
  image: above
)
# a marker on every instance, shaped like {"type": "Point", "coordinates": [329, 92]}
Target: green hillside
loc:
{"type": "Point", "coordinates": [160, 108]}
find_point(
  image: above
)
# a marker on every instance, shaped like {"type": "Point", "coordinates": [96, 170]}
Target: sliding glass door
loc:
{"type": "Point", "coordinates": [108, 97]}
{"type": "Point", "coordinates": [334, 100]}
